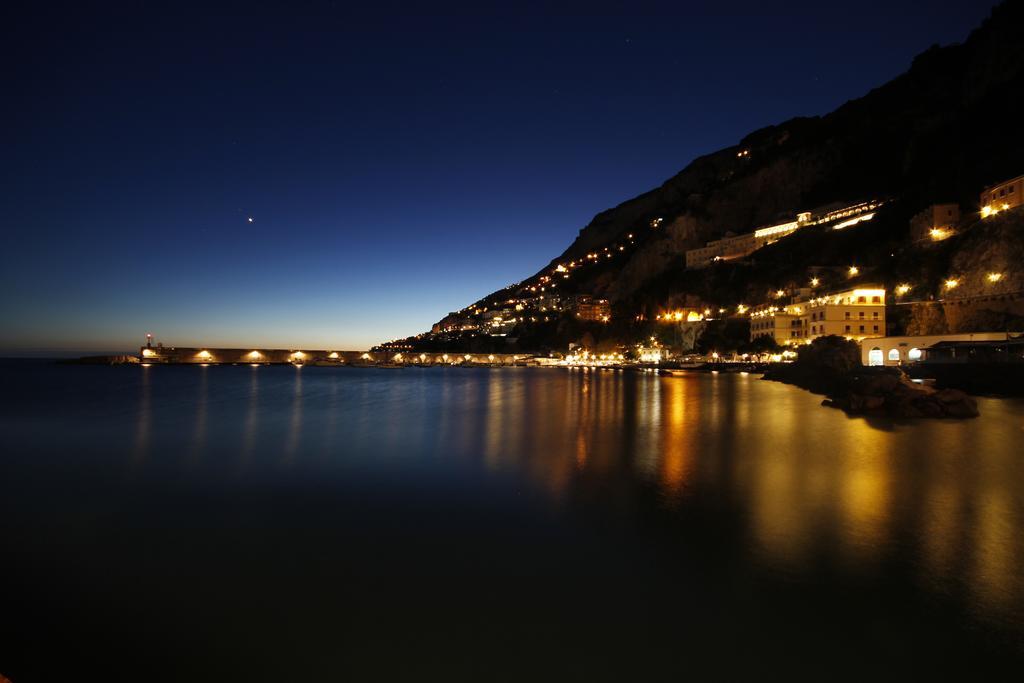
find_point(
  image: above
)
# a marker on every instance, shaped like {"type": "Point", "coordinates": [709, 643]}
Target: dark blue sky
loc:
{"type": "Point", "coordinates": [398, 163]}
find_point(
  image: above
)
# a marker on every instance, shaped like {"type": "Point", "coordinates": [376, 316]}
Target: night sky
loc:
{"type": "Point", "coordinates": [397, 165]}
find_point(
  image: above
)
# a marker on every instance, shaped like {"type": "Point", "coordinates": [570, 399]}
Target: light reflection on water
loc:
{"type": "Point", "coordinates": [810, 480]}
{"type": "Point", "coordinates": [781, 486]}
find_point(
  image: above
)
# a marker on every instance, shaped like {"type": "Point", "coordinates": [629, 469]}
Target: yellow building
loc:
{"type": "Point", "coordinates": [855, 314]}
{"type": "Point", "coordinates": [935, 223]}
{"type": "Point", "coordinates": [1005, 195]}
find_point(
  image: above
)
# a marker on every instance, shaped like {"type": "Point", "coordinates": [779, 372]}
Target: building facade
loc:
{"type": "Point", "coordinates": [1005, 195]}
{"type": "Point", "coordinates": [733, 246]}
{"type": "Point", "coordinates": [903, 350]}
{"type": "Point", "coordinates": [935, 223]}
{"type": "Point", "coordinates": [855, 314]}
{"type": "Point", "coordinates": [737, 246]}
{"type": "Point", "coordinates": [595, 310]}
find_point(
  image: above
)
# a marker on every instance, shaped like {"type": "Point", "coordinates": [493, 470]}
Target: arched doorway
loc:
{"type": "Point", "coordinates": [894, 355]}
{"type": "Point", "coordinates": [875, 357]}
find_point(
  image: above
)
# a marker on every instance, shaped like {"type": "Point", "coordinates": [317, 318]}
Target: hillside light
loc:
{"type": "Point", "coordinates": [902, 289]}
{"type": "Point", "coordinates": [853, 270]}
{"type": "Point", "coordinates": [995, 277]}
{"type": "Point", "coordinates": [952, 283]}
{"type": "Point", "coordinates": [815, 282]}
{"type": "Point", "coordinates": [779, 294]}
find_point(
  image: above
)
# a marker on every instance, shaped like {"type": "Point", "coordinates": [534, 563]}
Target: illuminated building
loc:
{"type": "Point", "coordinates": [736, 246]}
{"type": "Point", "coordinates": [935, 223]}
{"type": "Point", "coordinates": [682, 315]}
{"type": "Point", "coordinates": [733, 246]}
{"type": "Point", "coordinates": [855, 313]}
{"type": "Point", "coordinates": [586, 307]}
{"type": "Point", "coordinates": [1005, 195]}
{"type": "Point", "coordinates": [651, 354]}
{"type": "Point", "coordinates": [903, 350]}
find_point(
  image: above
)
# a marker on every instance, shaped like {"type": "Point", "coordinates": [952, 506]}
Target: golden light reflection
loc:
{"type": "Point", "coordinates": [864, 499]}
{"type": "Point", "coordinates": [676, 441]}
{"type": "Point", "coordinates": [804, 486]}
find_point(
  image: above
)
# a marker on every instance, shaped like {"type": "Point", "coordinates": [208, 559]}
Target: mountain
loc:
{"type": "Point", "coordinates": [938, 133]}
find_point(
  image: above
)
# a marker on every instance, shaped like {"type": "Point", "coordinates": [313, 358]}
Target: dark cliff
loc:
{"type": "Point", "coordinates": [938, 133]}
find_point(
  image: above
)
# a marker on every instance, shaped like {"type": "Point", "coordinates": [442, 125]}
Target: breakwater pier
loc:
{"type": "Point", "coordinates": [323, 357]}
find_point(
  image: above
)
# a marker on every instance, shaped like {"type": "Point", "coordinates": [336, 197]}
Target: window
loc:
{"type": "Point", "coordinates": [847, 328]}
{"type": "Point", "coordinates": [1002, 193]}
{"type": "Point", "coordinates": [914, 354]}
{"type": "Point", "coordinates": [1009, 190]}
{"type": "Point", "coordinates": [874, 328]}
{"type": "Point", "coordinates": [875, 356]}
{"type": "Point", "coordinates": [814, 329]}
{"type": "Point", "coordinates": [861, 328]}
{"type": "Point", "coordinates": [847, 315]}
{"type": "Point", "coordinates": [894, 354]}
{"type": "Point", "coordinates": [860, 315]}
{"type": "Point", "coordinates": [862, 299]}
{"type": "Point", "coordinates": [874, 316]}
{"type": "Point", "coordinates": [876, 299]}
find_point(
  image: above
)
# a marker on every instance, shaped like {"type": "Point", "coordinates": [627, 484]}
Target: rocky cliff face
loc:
{"type": "Point", "coordinates": [938, 133]}
{"type": "Point", "coordinates": [988, 248]}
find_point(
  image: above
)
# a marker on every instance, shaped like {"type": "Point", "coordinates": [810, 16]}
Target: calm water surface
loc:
{"type": "Point", "coordinates": [319, 524]}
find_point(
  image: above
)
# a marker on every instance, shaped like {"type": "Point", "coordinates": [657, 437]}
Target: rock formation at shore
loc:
{"type": "Point", "coordinates": [831, 366]}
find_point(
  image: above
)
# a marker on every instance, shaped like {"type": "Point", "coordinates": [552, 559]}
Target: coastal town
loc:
{"type": "Point", "coordinates": [850, 302]}
{"type": "Point", "coordinates": [881, 317]}
{"type": "Point", "coordinates": [501, 342]}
